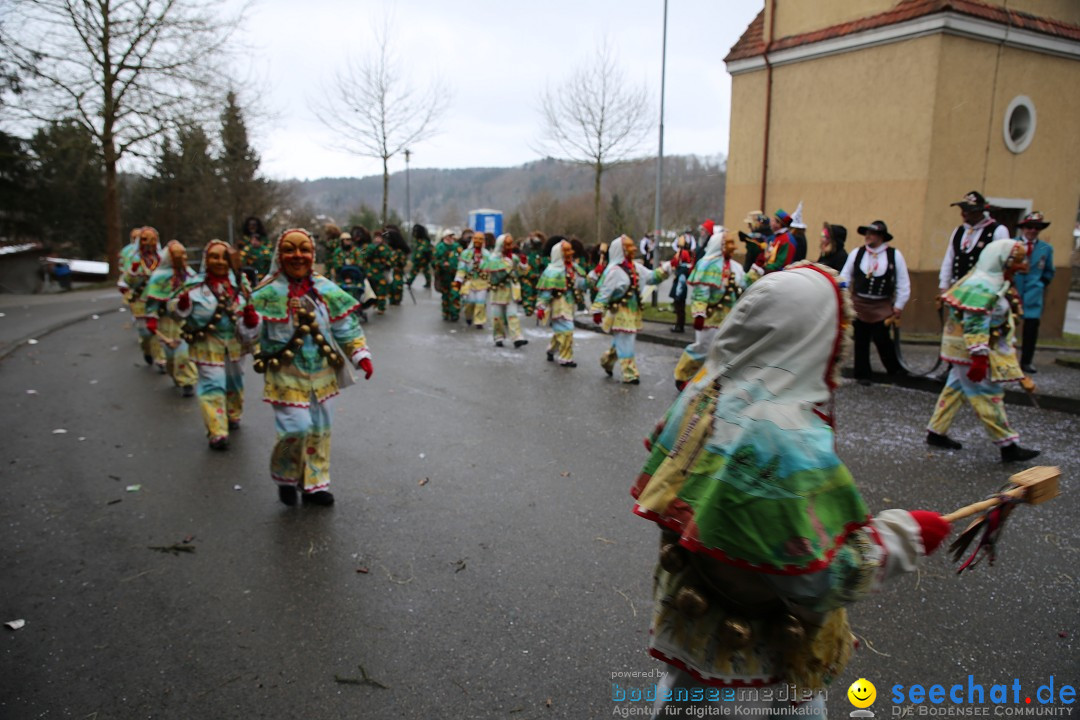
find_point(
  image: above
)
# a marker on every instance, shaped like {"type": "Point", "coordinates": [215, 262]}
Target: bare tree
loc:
{"type": "Point", "coordinates": [382, 113]}
{"type": "Point", "coordinates": [596, 118]}
{"type": "Point", "coordinates": [126, 70]}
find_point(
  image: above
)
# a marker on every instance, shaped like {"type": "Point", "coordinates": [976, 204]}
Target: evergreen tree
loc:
{"type": "Point", "coordinates": [244, 193]}
{"type": "Point", "coordinates": [17, 218]}
{"type": "Point", "coordinates": [69, 179]}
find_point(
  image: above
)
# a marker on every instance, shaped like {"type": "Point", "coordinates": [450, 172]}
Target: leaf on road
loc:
{"type": "Point", "coordinates": [15, 624]}
{"type": "Point", "coordinates": [113, 502]}
{"type": "Point", "coordinates": [363, 570]}
{"type": "Point", "coordinates": [133, 488]}
{"type": "Point", "coordinates": [423, 481]}
{"type": "Point", "coordinates": [174, 549]}
{"type": "Point", "coordinates": [364, 679]}
{"type": "Point", "coordinates": [565, 474]}
{"type": "Point", "coordinates": [459, 565]}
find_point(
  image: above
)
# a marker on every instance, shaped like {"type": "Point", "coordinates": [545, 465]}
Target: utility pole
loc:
{"type": "Point", "coordinates": [660, 156]}
{"type": "Point", "coordinates": [408, 200]}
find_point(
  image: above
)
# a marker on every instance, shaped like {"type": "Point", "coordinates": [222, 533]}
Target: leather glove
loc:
{"type": "Point", "coordinates": [597, 318]}
{"type": "Point", "coordinates": [933, 528]}
{"type": "Point", "coordinates": [251, 318]}
{"type": "Point", "coordinates": [151, 325]}
{"type": "Point", "coordinates": [184, 302]}
{"type": "Point", "coordinates": [124, 290]}
{"type": "Point", "coordinates": [699, 322]}
{"type": "Point", "coordinates": [367, 367]}
{"type": "Point", "coordinates": [980, 364]}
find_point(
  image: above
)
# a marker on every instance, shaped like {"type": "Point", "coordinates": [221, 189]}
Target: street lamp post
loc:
{"type": "Point", "coordinates": [660, 156]}
{"type": "Point", "coordinates": [408, 200]}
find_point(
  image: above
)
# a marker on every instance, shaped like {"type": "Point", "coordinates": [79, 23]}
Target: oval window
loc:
{"type": "Point", "coordinates": [1019, 124]}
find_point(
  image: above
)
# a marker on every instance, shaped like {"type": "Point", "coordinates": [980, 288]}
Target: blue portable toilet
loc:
{"type": "Point", "coordinates": [486, 220]}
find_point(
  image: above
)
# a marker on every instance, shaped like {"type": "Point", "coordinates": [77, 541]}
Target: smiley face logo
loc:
{"type": "Point", "coordinates": [862, 693]}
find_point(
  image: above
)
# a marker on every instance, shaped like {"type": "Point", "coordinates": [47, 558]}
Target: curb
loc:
{"type": "Point", "coordinates": [675, 341]}
{"type": "Point", "coordinates": [49, 330]}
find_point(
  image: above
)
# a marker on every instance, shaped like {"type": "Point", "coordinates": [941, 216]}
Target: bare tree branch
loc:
{"type": "Point", "coordinates": [595, 118]}
{"type": "Point", "coordinates": [382, 113]}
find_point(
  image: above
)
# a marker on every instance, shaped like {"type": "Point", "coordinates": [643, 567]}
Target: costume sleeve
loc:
{"type": "Point", "coordinates": [903, 283]}
{"type": "Point", "coordinates": [784, 255]}
{"type": "Point", "coordinates": [1048, 268]}
{"type": "Point", "coordinates": [350, 336]}
{"type": "Point", "coordinates": [613, 285]}
{"type": "Point", "coordinates": [945, 275]}
{"type": "Point", "coordinates": [461, 266]}
{"type": "Point", "coordinates": [976, 332]}
{"type": "Point", "coordinates": [883, 550]}
{"type": "Point", "coordinates": [654, 277]}
{"type": "Point", "coordinates": [849, 269]}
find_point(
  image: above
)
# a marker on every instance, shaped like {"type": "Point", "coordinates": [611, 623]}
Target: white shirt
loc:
{"type": "Point", "coordinates": [967, 242]}
{"type": "Point", "coordinates": [874, 259]}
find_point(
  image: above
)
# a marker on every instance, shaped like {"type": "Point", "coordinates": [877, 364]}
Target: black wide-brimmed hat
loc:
{"type": "Point", "coordinates": [972, 201]}
{"type": "Point", "coordinates": [879, 227]}
{"type": "Point", "coordinates": [1035, 220]}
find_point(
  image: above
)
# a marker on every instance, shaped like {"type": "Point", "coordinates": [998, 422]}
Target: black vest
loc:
{"type": "Point", "coordinates": [964, 262]}
{"type": "Point", "coordinates": [877, 286]}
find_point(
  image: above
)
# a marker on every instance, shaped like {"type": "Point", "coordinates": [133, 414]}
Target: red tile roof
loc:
{"type": "Point", "coordinates": [752, 42]}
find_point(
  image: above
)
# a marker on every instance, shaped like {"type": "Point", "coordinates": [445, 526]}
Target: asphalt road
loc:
{"type": "Point", "coordinates": [481, 562]}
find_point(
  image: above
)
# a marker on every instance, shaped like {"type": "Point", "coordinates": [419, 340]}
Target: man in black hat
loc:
{"type": "Point", "coordinates": [968, 239]}
{"type": "Point", "coordinates": [1031, 285]}
{"type": "Point", "coordinates": [880, 287]}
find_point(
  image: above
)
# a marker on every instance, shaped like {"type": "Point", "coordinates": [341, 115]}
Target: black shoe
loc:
{"type": "Point", "coordinates": [570, 364]}
{"type": "Point", "coordinates": [942, 441]}
{"type": "Point", "coordinates": [149, 360]}
{"type": "Point", "coordinates": [287, 494]}
{"type": "Point", "coordinates": [610, 371]}
{"type": "Point", "coordinates": [1015, 453]}
{"type": "Point", "coordinates": [865, 382]}
{"type": "Point", "coordinates": [188, 390]}
{"type": "Point", "coordinates": [221, 443]}
{"type": "Point", "coordinates": [478, 327]}
{"type": "Point", "coordinates": [677, 329]}
{"type": "Point", "coordinates": [551, 357]}
{"type": "Point", "coordinates": [680, 385]}
{"type": "Point", "coordinates": [1029, 369]}
{"type": "Point", "coordinates": [498, 343]}
{"type": "Point", "coordinates": [898, 372]}
{"type": "Point", "coordinates": [320, 497]}
{"type": "Point", "coordinates": [519, 343]}
{"type": "Point", "coordinates": [234, 424]}
{"type": "Point", "coordinates": [635, 381]}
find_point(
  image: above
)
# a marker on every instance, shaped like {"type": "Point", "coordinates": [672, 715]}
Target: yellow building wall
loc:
{"type": "Point", "coordinates": [794, 17]}
{"type": "Point", "coordinates": [850, 151]}
{"type": "Point", "coordinates": [970, 151]}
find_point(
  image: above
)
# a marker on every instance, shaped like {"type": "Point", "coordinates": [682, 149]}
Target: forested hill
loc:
{"type": "Point", "coordinates": [694, 187]}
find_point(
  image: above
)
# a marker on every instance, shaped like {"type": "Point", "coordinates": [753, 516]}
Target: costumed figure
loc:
{"type": "Point", "coordinates": [167, 280]}
{"type": "Point", "coordinates": [833, 254]}
{"type": "Point", "coordinates": [617, 305]}
{"type": "Point", "coordinates": [126, 256]}
{"type": "Point", "coordinates": [536, 260]}
{"type": "Point", "coordinates": [446, 261]}
{"type": "Point", "coordinates": [779, 249]}
{"type": "Point", "coordinates": [715, 285]}
{"type": "Point", "coordinates": [1031, 285]}
{"type": "Point", "coordinates": [399, 260]}
{"type": "Point", "coordinates": [472, 282]}
{"type": "Point", "coordinates": [220, 325]}
{"type": "Point", "coordinates": [378, 259]}
{"type": "Point", "coordinates": [758, 223]}
{"type": "Point", "coordinates": [681, 267]}
{"type": "Point", "coordinates": [764, 535]}
{"type": "Point", "coordinates": [421, 256]}
{"type": "Point", "coordinates": [504, 269]}
{"type": "Point", "coordinates": [256, 250]}
{"type": "Point", "coordinates": [880, 286]}
{"type": "Point", "coordinates": [798, 233]}
{"type": "Point", "coordinates": [310, 340]}
{"type": "Point", "coordinates": [560, 285]}
{"type": "Point", "coordinates": [979, 342]}
{"type": "Point", "coordinates": [134, 279]}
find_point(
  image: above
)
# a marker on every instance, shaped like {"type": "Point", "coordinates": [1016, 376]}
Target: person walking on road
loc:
{"type": "Point", "coordinates": [1031, 285]}
{"type": "Point", "coordinates": [167, 280]}
{"type": "Point", "coordinates": [472, 282]}
{"type": "Point", "coordinates": [504, 268]}
{"type": "Point", "coordinates": [134, 279]}
{"type": "Point", "coordinates": [562, 281]}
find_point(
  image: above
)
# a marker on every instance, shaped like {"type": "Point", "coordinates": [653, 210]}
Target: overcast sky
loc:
{"type": "Point", "coordinates": [496, 56]}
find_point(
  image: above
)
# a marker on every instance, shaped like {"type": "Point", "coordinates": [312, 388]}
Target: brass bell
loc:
{"type": "Point", "coordinates": [274, 364]}
{"type": "Point", "coordinates": [288, 356]}
{"type": "Point", "coordinates": [326, 350]}
{"type": "Point", "coordinates": [336, 360]}
{"type": "Point", "coordinates": [791, 631]}
{"type": "Point", "coordinates": [691, 603]}
{"type": "Point", "coordinates": [298, 342]}
{"type": "Point", "coordinates": [304, 329]}
{"type": "Point", "coordinates": [259, 366]}
{"type": "Point", "coordinates": [672, 558]}
{"type": "Point", "coordinates": [318, 338]}
{"type": "Point", "coordinates": [211, 327]}
{"type": "Point", "coordinates": [217, 317]}
{"type": "Point", "coordinates": [735, 633]}
{"type": "Point", "coordinates": [201, 335]}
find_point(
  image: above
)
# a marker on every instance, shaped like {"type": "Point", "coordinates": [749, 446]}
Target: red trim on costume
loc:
{"type": "Point", "coordinates": [348, 312]}
{"type": "Point", "coordinates": [953, 303]}
{"type": "Point", "coordinates": [715, 682]}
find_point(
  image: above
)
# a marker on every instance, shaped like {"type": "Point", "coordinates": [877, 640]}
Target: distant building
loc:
{"type": "Point", "coordinates": [892, 109]}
